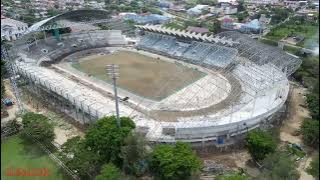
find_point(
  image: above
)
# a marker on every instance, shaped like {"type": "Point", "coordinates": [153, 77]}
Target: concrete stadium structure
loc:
{"type": "Point", "coordinates": [246, 82]}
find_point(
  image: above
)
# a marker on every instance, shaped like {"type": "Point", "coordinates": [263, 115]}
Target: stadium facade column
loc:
{"type": "Point", "coordinates": [56, 34]}
{"type": "Point", "coordinates": [45, 35]}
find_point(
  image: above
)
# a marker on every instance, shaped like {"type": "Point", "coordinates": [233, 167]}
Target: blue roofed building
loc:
{"type": "Point", "coordinates": [253, 26]}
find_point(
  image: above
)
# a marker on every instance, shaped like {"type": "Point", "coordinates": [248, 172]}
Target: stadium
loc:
{"type": "Point", "coordinates": [175, 85]}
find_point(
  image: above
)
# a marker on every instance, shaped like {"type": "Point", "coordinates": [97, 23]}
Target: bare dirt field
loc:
{"type": "Point", "coordinates": [141, 75]}
{"type": "Point", "coordinates": [297, 113]}
{"type": "Point", "coordinates": [62, 127]}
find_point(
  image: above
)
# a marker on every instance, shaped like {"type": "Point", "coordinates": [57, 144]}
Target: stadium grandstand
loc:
{"type": "Point", "coordinates": [242, 82]}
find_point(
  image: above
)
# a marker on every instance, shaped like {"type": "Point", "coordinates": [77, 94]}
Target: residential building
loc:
{"type": "Point", "coordinates": [95, 5]}
{"type": "Point", "coordinates": [145, 18]}
{"type": "Point", "coordinates": [74, 4]}
{"type": "Point", "coordinates": [253, 26]}
{"type": "Point", "coordinates": [198, 29]}
{"type": "Point", "coordinates": [224, 9]}
{"type": "Point", "coordinates": [262, 2]}
{"type": "Point", "coordinates": [197, 10]}
{"type": "Point", "coordinates": [264, 20]}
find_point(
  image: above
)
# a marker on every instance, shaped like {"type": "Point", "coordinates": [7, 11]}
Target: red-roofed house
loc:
{"type": "Point", "coordinates": [198, 29]}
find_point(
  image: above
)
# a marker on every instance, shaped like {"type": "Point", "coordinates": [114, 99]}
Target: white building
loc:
{"type": "Point", "coordinates": [74, 4]}
{"type": "Point", "coordinates": [197, 10]}
{"type": "Point", "coordinates": [224, 10]}
{"type": "Point", "coordinates": [228, 1]}
{"type": "Point", "coordinates": [96, 5]}
{"type": "Point", "coordinates": [262, 2]}
{"type": "Point", "coordinates": [12, 29]}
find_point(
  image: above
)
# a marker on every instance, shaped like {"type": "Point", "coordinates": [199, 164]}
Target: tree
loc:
{"type": "Point", "coordinates": [279, 14]}
{"type": "Point", "coordinates": [310, 132]}
{"type": "Point", "coordinates": [106, 139]}
{"type": "Point", "coordinates": [313, 169]}
{"type": "Point", "coordinates": [279, 166]}
{"type": "Point", "coordinates": [37, 126]}
{"type": "Point", "coordinates": [109, 172]}
{"type": "Point", "coordinates": [134, 155]}
{"type": "Point", "coordinates": [80, 158]}
{"type": "Point", "coordinates": [174, 162]}
{"type": "Point", "coordinates": [216, 26]}
{"type": "Point", "coordinates": [207, 2]}
{"type": "Point", "coordinates": [260, 143]}
{"type": "Point", "coordinates": [242, 15]}
{"type": "Point", "coordinates": [313, 104]}
{"type": "Point", "coordinates": [241, 6]}
{"type": "Point", "coordinates": [53, 12]}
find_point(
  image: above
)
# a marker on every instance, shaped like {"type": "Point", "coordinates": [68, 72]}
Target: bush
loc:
{"type": "Point", "coordinates": [260, 143]}
{"type": "Point", "coordinates": [174, 162]}
{"type": "Point", "coordinates": [279, 166]}
{"type": "Point", "coordinates": [37, 126]}
{"type": "Point", "coordinates": [313, 169]}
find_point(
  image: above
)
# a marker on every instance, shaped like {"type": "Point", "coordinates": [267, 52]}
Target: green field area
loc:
{"type": "Point", "coordinates": [142, 75]}
{"type": "Point", "coordinates": [19, 153]}
{"type": "Point", "coordinates": [309, 30]}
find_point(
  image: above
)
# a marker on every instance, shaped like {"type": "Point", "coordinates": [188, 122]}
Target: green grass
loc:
{"type": "Point", "coordinates": [269, 42]}
{"type": "Point", "coordinates": [306, 29]}
{"type": "Point", "coordinates": [296, 152]}
{"type": "Point", "coordinates": [290, 49]}
{"type": "Point", "coordinates": [175, 26]}
{"type": "Point", "coordinates": [19, 153]}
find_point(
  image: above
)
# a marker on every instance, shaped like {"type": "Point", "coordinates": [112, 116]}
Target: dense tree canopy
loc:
{"type": "Point", "coordinates": [279, 166]}
{"type": "Point", "coordinates": [79, 158]}
{"type": "Point", "coordinates": [102, 145]}
{"type": "Point", "coordinates": [109, 172]}
{"type": "Point", "coordinates": [174, 162]}
{"type": "Point", "coordinates": [232, 177]}
{"type": "Point", "coordinates": [308, 73]}
{"type": "Point", "coordinates": [310, 132]}
{"type": "Point", "coordinates": [279, 14]}
{"type": "Point", "coordinates": [37, 126]}
{"type": "Point", "coordinates": [242, 16]}
{"type": "Point", "coordinates": [313, 104]}
{"type": "Point", "coordinates": [260, 143]}
{"type": "Point", "coordinates": [215, 27]}
{"type": "Point", "coordinates": [134, 155]}
{"type": "Point", "coordinates": [106, 139]}
{"type": "Point", "coordinates": [241, 6]}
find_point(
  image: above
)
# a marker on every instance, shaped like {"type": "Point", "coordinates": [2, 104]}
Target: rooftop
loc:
{"type": "Point", "coordinates": [197, 29]}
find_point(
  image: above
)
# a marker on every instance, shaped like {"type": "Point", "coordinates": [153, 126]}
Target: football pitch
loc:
{"type": "Point", "coordinates": [17, 153]}
{"type": "Point", "coordinates": [141, 75]}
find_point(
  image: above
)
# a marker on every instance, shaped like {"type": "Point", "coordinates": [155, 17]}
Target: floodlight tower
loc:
{"type": "Point", "coordinates": [113, 73]}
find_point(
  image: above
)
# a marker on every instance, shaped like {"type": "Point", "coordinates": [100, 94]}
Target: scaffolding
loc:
{"type": "Point", "coordinates": [248, 77]}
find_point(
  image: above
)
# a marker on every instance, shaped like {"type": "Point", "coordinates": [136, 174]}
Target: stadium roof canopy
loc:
{"type": "Point", "coordinates": [84, 15]}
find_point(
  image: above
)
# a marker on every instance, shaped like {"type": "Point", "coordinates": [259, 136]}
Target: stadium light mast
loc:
{"type": "Point", "coordinates": [113, 73]}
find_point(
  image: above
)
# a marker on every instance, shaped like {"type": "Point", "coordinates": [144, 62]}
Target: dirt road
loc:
{"type": "Point", "coordinates": [297, 113]}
